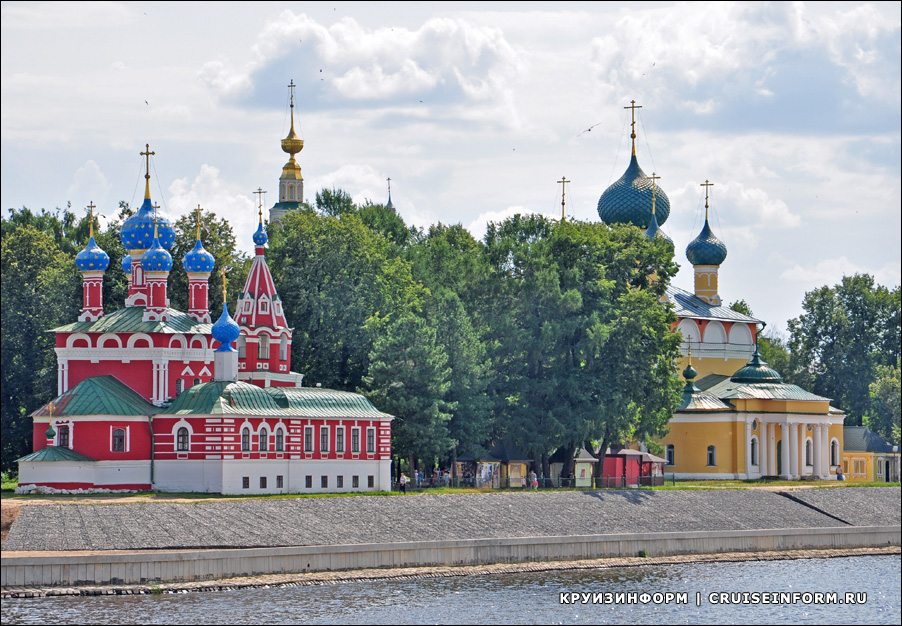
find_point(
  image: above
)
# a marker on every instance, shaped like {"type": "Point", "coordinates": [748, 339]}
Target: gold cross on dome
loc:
{"type": "Point", "coordinates": [706, 185]}
{"type": "Point", "coordinates": [633, 106]}
{"type": "Point", "coordinates": [563, 182]}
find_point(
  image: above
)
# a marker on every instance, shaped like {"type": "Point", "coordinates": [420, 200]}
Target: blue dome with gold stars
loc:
{"type": "Point", "coordinates": [137, 232]}
{"type": "Point", "coordinates": [260, 237]}
{"type": "Point", "coordinates": [92, 258]}
{"type": "Point", "coordinates": [156, 259]}
{"type": "Point", "coordinates": [628, 199]}
{"type": "Point", "coordinates": [198, 261]}
{"type": "Point", "coordinates": [706, 249]}
{"type": "Point", "coordinates": [225, 330]}
{"type": "Point", "coordinates": [127, 264]}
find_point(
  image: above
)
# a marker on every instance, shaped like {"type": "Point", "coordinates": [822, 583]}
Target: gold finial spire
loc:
{"type": "Point", "coordinates": [91, 208]}
{"type": "Point", "coordinates": [706, 184]}
{"type": "Point", "coordinates": [654, 187]}
{"type": "Point", "coordinates": [633, 106]}
{"type": "Point", "coordinates": [197, 221]}
{"type": "Point", "coordinates": [292, 144]}
{"type": "Point", "coordinates": [147, 153]}
{"type": "Point", "coordinates": [224, 282]}
{"type": "Point", "coordinates": [259, 193]}
{"type": "Point", "coordinates": [563, 182]}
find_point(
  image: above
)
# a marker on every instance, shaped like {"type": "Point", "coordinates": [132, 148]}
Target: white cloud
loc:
{"type": "Point", "coordinates": [478, 226]}
{"type": "Point", "coordinates": [212, 193]}
{"type": "Point", "coordinates": [754, 201]}
{"type": "Point", "coordinates": [89, 184]}
{"type": "Point", "coordinates": [829, 271]}
{"type": "Point", "coordinates": [444, 60]}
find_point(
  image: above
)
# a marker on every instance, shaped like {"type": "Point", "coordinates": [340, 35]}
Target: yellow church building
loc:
{"type": "Point", "coordinates": [738, 419]}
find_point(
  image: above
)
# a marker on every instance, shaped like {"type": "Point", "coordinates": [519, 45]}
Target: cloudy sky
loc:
{"type": "Point", "coordinates": [475, 111]}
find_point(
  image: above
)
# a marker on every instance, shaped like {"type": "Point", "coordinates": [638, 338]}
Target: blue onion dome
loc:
{"type": "Point", "coordinates": [92, 258]}
{"type": "Point", "coordinates": [706, 249]}
{"type": "Point", "coordinates": [198, 261]}
{"type": "Point", "coordinates": [260, 237]}
{"type": "Point", "coordinates": [137, 231]}
{"type": "Point", "coordinates": [225, 330]}
{"type": "Point", "coordinates": [127, 264]}
{"type": "Point", "coordinates": [628, 200]}
{"type": "Point", "coordinates": [756, 371]}
{"type": "Point", "coordinates": [156, 259]}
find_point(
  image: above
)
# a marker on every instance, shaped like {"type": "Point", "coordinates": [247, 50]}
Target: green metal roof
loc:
{"type": "Point", "coordinates": [730, 390]}
{"type": "Point", "coordinates": [224, 398]}
{"type": "Point", "coordinates": [240, 398]}
{"type": "Point", "coordinates": [98, 395]}
{"type": "Point", "coordinates": [131, 320]}
{"type": "Point", "coordinates": [317, 402]}
{"type": "Point", "coordinates": [53, 453]}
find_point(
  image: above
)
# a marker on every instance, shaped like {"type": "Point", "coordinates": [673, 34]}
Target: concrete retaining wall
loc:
{"type": "Point", "coordinates": [148, 566]}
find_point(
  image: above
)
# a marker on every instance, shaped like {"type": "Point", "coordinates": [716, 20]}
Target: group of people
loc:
{"type": "Point", "coordinates": [440, 478]}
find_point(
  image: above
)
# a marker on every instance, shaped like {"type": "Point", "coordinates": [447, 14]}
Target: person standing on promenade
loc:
{"type": "Point", "coordinates": [403, 483]}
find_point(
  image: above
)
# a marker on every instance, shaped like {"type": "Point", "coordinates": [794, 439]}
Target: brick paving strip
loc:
{"type": "Point", "coordinates": [327, 578]}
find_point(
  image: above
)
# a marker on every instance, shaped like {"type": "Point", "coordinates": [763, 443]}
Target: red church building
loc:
{"type": "Point", "coordinates": [151, 398]}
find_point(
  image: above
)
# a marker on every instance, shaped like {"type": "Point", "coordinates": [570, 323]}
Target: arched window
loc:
{"type": "Point", "coordinates": [197, 381]}
{"type": "Point", "coordinates": [290, 192]}
{"type": "Point", "coordinates": [280, 440]}
{"type": "Point", "coordinates": [63, 440]}
{"type": "Point", "coordinates": [808, 455]}
{"type": "Point", "coordinates": [118, 440]}
{"type": "Point", "coordinates": [754, 447]}
{"type": "Point", "coordinates": [669, 453]}
{"type": "Point", "coordinates": [182, 440]}
{"type": "Point", "coordinates": [245, 439]}
{"type": "Point", "coordinates": [712, 456]}
{"type": "Point", "coordinates": [263, 348]}
{"type": "Point", "coordinates": [242, 347]}
{"type": "Point", "coordinates": [179, 385]}
{"type": "Point", "coordinates": [264, 439]}
{"type": "Point", "coordinates": [834, 452]}
{"type": "Point", "coordinates": [283, 348]}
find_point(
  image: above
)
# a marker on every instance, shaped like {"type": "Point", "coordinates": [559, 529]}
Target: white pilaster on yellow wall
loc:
{"type": "Point", "coordinates": [784, 451]}
{"type": "Point", "coordinates": [763, 444]}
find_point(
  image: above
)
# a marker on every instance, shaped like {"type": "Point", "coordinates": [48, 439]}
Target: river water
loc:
{"type": "Point", "coordinates": [873, 582]}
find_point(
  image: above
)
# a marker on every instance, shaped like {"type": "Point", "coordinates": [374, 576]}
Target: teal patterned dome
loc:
{"type": "Point", "coordinates": [156, 259]}
{"type": "Point", "coordinates": [198, 261]}
{"type": "Point", "coordinates": [628, 200]}
{"type": "Point", "coordinates": [756, 371]}
{"type": "Point", "coordinates": [137, 231]}
{"type": "Point", "coordinates": [653, 231]}
{"type": "Point", "coordinates": [92, 258]}
{"type": "Point", "coordinates": [706, 249]}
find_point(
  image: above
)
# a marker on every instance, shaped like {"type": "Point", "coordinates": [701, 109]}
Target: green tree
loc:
{"type": "Point", "coordinates": [341, 286]}
{"type": "Point", "coordinates": [409, 379]}
{"type": "Point", "coordinates": [845, 333]}
{"type": "Point", "coordinates": [40, 290]}
{"type": "Point", "coordinates": [335, 202]}
{"type": "Point", "coordinates": [469, 373]}
{"type": "Point", "coordinates": [385, 222]}
{"type": "Point", "coordinates": [584, 346]}
{"type": "Point", "coordinates": [885, 417]}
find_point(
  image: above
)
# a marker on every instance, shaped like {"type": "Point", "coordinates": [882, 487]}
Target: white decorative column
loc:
{"type": "Point", "coordinates": [772, 440]}
{"type": "Point", "coordinates": [784, 452]}
{"type": "Point", "coordinates": [816, 441]}
{"type": "Point", "coordinates": [825, 451]}
{"type": "Point", "coordinates": [748, 450]}
{"type": "Point", "coordinates": [793, 469]}
{"type": "Point", "coordinates": [763, 452]}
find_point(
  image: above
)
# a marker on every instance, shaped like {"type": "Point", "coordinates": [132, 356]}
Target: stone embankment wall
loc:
{"type": "Point", "coordinates": [185, 542]}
